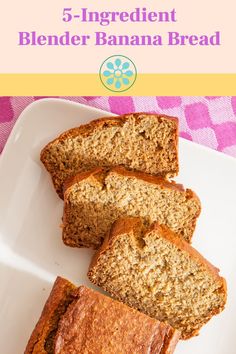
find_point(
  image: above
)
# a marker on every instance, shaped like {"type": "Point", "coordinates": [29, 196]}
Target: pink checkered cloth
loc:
{"type": "Point", "coordinates": [210, 121]}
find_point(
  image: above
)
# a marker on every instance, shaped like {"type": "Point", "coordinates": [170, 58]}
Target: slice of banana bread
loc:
{"type": "Point", "coordinates": [94, 200]}
{"type": "Point", "coordinates": [138, 141]}
{"type": "Point", "coordinates": [155, 271]}
{"type": "Point", "coordinates": [80, 320]}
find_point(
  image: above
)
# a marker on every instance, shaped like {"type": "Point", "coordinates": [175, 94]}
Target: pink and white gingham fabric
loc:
{"type": "Point", "coordinates": [210, 121]}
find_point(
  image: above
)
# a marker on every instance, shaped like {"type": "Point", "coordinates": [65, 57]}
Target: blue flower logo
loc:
{"type": "Point", "coordinates": [118, 73]}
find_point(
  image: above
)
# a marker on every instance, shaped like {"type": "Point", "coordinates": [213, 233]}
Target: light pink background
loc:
{"type": "Point", "coordinates": [45, 17]}
{"type": "Point", "coordinates": [210, 121]}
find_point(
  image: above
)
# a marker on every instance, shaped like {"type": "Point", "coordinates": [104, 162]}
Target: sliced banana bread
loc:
{"type": "Point", "coordinates": [155, 271]}
{"type": "Point", "coordinates": [80, 320]}
{"type": "Point", "coordinates": [138, 141]}
{"type": "Point", "coordinates": [94, 200]}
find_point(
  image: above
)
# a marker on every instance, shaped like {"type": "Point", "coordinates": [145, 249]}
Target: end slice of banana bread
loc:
{"type": "Point", "coordinates": [153, 270]}
{"type": "Point", "coordinates": [80, 320]}
{"type": "Point", "coordinates": [94, 200]}
{"type": "Point", "coordinates": [138, 141]}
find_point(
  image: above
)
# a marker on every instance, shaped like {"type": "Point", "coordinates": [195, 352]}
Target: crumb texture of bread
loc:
{"type": "Point", "coordinates": [154, 271]}
{"type": "Point", "coordinates": [80, 320]}
{"type": "Point", "coordinates": [138, 141]}
{"type": "Point", "coordinates": [93, 203]}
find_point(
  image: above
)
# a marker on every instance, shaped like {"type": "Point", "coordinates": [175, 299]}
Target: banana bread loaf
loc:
{"type": "Point", "coordinates": [155, 271]}
{"type": "Point", "coordinates": [138, 141]}
{"type": "Point", "coordinates": [95, 199]}
{"type": "Point", "coordinates": [80, 320]}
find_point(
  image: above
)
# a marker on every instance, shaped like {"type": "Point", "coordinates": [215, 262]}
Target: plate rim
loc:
{"type": "Point", "coordinates": [21, 119]}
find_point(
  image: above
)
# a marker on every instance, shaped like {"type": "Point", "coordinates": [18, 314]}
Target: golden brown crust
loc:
{"type": "Point", "coordinates": [160, 181]}
{"type": "Point", "coordinates": [87, 129]}
{"type": "Point", "coordinates": [95, 323]}
{"type": "Point", "coordinates": [42, 329]}
{"type": "Point", "coordinates": [170, 342]}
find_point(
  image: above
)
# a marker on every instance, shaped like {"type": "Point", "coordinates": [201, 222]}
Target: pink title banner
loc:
{"type": "Point", "coordinates": [71, 36]}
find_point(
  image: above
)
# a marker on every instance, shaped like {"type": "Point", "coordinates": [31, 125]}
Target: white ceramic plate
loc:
{"type": "Point", "coordinates": [31, 249]}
